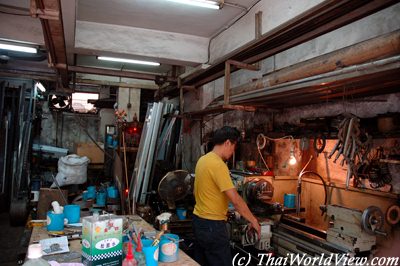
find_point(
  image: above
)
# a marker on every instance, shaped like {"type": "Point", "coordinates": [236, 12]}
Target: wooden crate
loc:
{"type": "Point", "coordinates": [91, 151]}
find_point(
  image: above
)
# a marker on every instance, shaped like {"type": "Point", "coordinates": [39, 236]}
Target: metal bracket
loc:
{"type": "Point", "coordinates": [227, 80]}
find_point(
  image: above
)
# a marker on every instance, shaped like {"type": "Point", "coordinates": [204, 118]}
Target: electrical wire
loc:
{"type": "Point", "coordinates": [78, 119]}
{"type": "Point", "coordinates": [261, 145]}
{"type": "Point", "coordinates": [262, 158]}
{"type": "Point", "coordinates": [323, 183]}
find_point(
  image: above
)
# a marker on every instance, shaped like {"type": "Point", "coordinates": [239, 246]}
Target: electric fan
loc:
{"type": "Point", "coordinates": [59, 102]}
{"type": "Point", "coordinates": [175, 185]}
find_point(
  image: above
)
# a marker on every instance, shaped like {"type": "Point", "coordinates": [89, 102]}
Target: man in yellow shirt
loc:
{"type": "Point", "coordinates": [213, 190]}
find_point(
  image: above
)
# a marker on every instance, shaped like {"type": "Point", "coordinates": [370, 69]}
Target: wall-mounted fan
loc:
{"type": "Point", "coordinates": [60, 102]}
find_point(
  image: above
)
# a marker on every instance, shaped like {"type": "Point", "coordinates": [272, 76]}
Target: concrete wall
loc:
{"type": "Point", "coordinates": [62, 129]}
{"type": "Point", "coordinates": [274, 14]}
{"type": "Point", "coordinates": [126, 96]}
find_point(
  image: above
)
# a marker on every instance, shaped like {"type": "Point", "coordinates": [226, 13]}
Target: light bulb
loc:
{"type": "Point", "coordinates": [292, 159]}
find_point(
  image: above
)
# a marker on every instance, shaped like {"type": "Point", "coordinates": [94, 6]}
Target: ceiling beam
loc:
{"type": "Point", "coordinates": [117, 73]}
{"type": "Point", "coordinates": [117, 84]}
{"type": "Point", "coordinates": [35, 75]}
{"type": "Point", "coordinates": [49, 12]}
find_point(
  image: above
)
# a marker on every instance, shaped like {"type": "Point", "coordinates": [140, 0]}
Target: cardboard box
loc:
{"type": "Point", "coordinates": [102, 240]}
{"type": "Point", "coordinates": [91, 151]}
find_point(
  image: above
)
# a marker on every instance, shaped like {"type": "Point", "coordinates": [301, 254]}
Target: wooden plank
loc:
{"type": "Point", "coordinates": [46, 197]}
{"type": "Point", "coordinates": [239, 107]}
{"type": "Point", "coordinates": [227, 82]}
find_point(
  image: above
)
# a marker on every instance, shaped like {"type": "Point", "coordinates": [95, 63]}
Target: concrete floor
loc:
{"type": "Point", "coordinates": [13, 242]}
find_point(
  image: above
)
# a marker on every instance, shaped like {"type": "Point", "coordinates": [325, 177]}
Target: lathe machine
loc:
{"type": "Point", "coordinates": [351, 232]}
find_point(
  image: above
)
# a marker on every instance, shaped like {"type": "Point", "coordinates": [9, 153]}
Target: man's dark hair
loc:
{"type": "Point", "coordinates": [225, 133]}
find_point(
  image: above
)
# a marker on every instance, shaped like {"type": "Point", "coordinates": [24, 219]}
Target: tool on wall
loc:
{"type": "Point", "coordinates": [352, 145]}
{"type": "Point", "coordinates": [319, 143]}
{"type": "Point", "coordinates": [376, 170]}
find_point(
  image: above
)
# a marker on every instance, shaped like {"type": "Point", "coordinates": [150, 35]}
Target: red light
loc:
{"type": "Point", "coordinates": [135, 129]}
{"type": "Point", "coordinates": [126, 191]}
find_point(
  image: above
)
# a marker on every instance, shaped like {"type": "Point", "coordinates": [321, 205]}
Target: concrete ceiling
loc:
{"type": "Point", "coordinates": [156, 30]}
{"type": "Point", "coordinates": [161, 15]}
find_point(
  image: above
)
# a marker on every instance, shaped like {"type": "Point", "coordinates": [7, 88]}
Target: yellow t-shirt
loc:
{"type": "Point", "coordinates": [211, 180]}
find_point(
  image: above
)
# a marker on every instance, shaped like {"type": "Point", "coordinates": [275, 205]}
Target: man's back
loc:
{"type": "Point", "coordinates": [212, 179]}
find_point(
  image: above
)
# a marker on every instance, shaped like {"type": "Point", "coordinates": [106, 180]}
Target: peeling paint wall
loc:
{"type": "Point", "coordinates": [65, 130]}
{"type": "Point", "coordinates": [129, 97]}
{"type": "Point", "coordinates": [274, 14]}
{"type": "Point", "coordinates": [377, 24]}
{"type": "Point", "coordinates": [364, 108]}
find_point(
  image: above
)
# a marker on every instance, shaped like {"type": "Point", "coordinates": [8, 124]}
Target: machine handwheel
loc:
{"type": "Point", "coordinates": [372, 220]}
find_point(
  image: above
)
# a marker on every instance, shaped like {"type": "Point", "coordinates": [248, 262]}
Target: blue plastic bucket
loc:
{"type": "Point", "coordinates": [112, 192]}
{"type": "Point", "coordinates": [150, 252]}
{"type": "Point", "coordinates": [169, 248]}
{"type": "Point", "coordinates": [55, 222]}
{"type": "Point", "coordinates": [181, 213]}
{"type": "Point", "coordinates": [101, 199]}
{"type": "Point", "coordinates": [289, 200]}
{"type": "Point", "coordinates": [91, 192]}
{"type": "Point", "coordinates": [109, 140]}
{"type": "Point", "coordinates": [72, 213]}
{"type": "Point", "coordinates": [115, 143]}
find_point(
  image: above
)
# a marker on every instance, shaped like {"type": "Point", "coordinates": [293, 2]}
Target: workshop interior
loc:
{"type": "Point", "coordinates": [106, 107]}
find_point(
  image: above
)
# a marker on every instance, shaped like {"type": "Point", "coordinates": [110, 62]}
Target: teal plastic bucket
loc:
{"type": "Point", "coordinates": [91, 192]}
{"type": "Point", "coordinates": [101, 198]}
{"type": "Point", "coordinates": [112, 192]}
{"type": "Point", "coordinates": [55, 222]}
{"type": "Point", "coordinates": [181, 213]}
{"type": "Point", "coordinates": [289, 200]}
{"type": "Point", "coordinates": [150, 252]}
{"type": "Point", "coordinates": [72, 213]}
{"type": "Point", "coordinates": [169, 248]}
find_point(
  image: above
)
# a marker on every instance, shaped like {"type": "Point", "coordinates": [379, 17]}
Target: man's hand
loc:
{"type": "Point", "coordinates": [257, 227]}
{"type": "Point", "coordinates": [242, 208]}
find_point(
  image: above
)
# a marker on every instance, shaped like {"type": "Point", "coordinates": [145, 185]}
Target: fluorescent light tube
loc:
{"type": "Point", "coordinates": [132, 61]}
{"type": "Point", "coordinates": [200, 3]}
{"type": "Point", "coordinates": [18, 48]}
{"type": "Point", "coordinates": [40, 86]}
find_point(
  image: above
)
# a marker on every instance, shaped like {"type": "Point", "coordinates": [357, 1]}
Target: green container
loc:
{"type": "Point", "coordinates": [102, 240]}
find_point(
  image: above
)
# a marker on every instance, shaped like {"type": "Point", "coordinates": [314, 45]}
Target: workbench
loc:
{"type": "Point", "coordinates": [75, 247]}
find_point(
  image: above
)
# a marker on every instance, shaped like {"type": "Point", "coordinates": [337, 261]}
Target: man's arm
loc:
{"type": "Point", "coordinates": [242, 208]}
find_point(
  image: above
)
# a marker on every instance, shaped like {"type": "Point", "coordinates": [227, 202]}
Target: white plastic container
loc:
{"type": "Point", "coordinates": [35, 256]}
